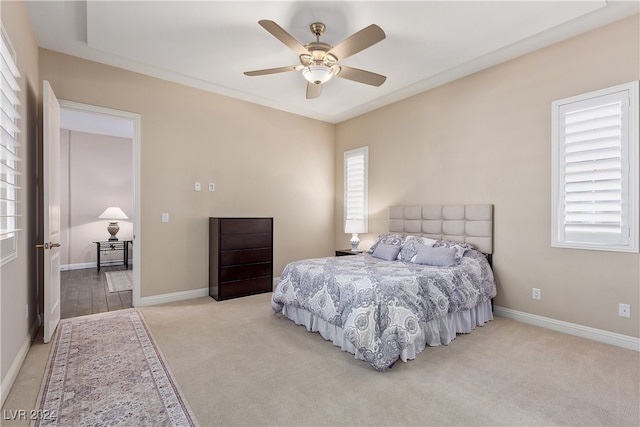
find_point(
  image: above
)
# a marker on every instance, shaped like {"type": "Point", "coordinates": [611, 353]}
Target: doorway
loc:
{"type": "Point", "coordinates": [101, 148]}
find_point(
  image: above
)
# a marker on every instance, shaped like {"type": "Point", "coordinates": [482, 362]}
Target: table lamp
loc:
{"type": "Point", "coordinates": [354, 226]}
{"type": "Point", "coordinates": [113, 214]}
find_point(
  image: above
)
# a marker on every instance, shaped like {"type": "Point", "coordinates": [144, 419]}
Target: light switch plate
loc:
{"type": "Point", "coordinates": [212, 186]}
{"type": "Point", "coordinates": [165, 217]}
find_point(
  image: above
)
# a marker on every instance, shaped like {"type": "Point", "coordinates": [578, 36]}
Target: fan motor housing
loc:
{"type": "Point", "coordinates": [318, 54]}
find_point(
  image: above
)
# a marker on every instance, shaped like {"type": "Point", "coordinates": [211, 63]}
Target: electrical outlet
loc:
{"type": "Point", "coordinates": [535, 293]}
{"type": "Point", "coordinates": [165, 217]}
{"type": "Point", "coordinates": [196, 186]}
{"type": "Point", "coordinates": [624, 310]}
{"type": "Point", "coordinates": [212, 186]}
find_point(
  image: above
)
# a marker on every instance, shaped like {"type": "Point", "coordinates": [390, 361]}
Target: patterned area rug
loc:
{"type": "Point", "coordinates": [119, 280]}
{"type": "Point", "coordinates": [106, 370]}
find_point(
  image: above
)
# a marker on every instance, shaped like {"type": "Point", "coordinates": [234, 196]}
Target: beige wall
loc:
{"type": "Point", "coordinates": [262, 161]}
{"type": "Point", "coordinates": [486, 139]}
{"type": "Point", "coordinates": [18, 280]}
{"type": "Point", "coordinates": [96, 172]}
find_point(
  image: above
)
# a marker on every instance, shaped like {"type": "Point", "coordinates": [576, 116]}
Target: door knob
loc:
{"type": "Point", "coordinates": [48, 246]}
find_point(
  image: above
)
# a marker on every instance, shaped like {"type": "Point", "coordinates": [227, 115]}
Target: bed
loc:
{"type": "Point", "coordinates": [426, 280]}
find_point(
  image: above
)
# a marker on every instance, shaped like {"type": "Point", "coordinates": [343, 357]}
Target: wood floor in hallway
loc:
{"type": "Point", "coordinates": [86, 292]}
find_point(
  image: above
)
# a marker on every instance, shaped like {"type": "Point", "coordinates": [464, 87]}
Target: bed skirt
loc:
{"type": "Point", "coordinates": [438, 331]}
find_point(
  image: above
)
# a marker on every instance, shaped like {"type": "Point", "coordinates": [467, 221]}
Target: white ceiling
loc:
{"type": "Point", "coordinates": [209, 44]}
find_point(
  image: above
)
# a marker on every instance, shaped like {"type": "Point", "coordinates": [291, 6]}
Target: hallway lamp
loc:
{"type": "Point", "coordinates": [113, 214]}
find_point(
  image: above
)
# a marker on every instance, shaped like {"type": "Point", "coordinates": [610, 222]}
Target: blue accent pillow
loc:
{"type": "Point", "coordinates": [411, 245]}
{"type": "Point", "coordinates": [440, 257]}
{"type": "Point", "coordinates": [386, 252]}
{"type": "Point", "coordinates": [460, 247]}
{"type": "Point", "coordinates": [388, 239]}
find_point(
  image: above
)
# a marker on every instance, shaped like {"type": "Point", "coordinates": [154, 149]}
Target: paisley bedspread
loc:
{"type": "Point", "coordinates": [383, 306]}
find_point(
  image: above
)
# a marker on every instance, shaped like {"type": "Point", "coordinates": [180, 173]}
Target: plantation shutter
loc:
{"type": "Point", "coordinates": [594, 176]}
{"type": "Point", "coordinates": [9, 145]}
{"type": "Point", "coordinates": [356, 187]}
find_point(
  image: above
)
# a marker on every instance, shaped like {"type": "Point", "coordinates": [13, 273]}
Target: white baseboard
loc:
{"type": "Point", "coordinates": [78, 266]}
{"type": "Point", "coordinates": [84, 265]}
{"type": "Point", "coordinates": [179, 296]}
{"type": "Point", "coordinates": [606, 337]}
{"type": "Point", "coordinates": [172, 297]}
{"type": "Point", "coordinates": [12, 374]}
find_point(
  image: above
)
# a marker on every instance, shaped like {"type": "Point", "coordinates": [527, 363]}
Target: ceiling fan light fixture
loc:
{"type": "Point", "coordinates": [319, 60]}
{"type": "Point", "coordinates": [317, 74]}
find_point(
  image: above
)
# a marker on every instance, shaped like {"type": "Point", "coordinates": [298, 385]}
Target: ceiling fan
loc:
{"type": "Point", "coordinates": [319, 61]}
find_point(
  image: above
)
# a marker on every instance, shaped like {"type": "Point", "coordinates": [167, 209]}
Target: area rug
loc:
{"type": "Point", "coordinates": [119, 280]}
{"type": "Point", "coordinates": [107, 370]}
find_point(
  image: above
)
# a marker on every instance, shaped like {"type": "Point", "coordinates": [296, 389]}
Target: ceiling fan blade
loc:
{"type": "Point", "coordinates": [278, 32]}
{"type": "Point", "coordinates": [359, 41]}
{"type": "Point", "coordinates": [361, 76]}
{"type": "Point", "coordinates": [270, 71]}
{"type": "Point", "coordinates": [313, 90]}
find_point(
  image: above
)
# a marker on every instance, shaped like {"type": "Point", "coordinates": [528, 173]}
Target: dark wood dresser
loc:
{"type": "Point", "coordinates": [240, 257]}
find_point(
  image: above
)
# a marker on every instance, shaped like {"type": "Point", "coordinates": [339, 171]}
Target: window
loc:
{"type": "Point", "coordinates": [595, 170]}
{"type": "Point", "coordinates": [356, 205]}
{"type": "Point", "coordinates": [9, 145]}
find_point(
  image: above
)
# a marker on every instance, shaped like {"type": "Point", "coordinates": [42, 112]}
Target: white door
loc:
{"type": "Point", "coordinates": [51, 209]}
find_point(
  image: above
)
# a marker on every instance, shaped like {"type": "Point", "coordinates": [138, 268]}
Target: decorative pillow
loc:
{"type": "Point", "coordinates": [386, 252]}
{"type": "Point", "coordinates": [440, 256]}
{"type": "Point", "coordinates": [460, 247]}
{"type": "Point", "coordinates": [388, 239]}
{"type": "Point", "coordinates": [411, 245]}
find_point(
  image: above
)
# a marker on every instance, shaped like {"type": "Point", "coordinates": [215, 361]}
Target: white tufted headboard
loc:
{"type": "Point", "coordinates": [471, 224]}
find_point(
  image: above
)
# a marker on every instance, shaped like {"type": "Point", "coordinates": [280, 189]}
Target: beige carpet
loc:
{"type": "Point", "coordinates": [238, 364]}
{"type": "Point", "coordinates": [119, 281]}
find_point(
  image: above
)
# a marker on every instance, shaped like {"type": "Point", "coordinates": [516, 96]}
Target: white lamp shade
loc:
{"type": "Point", "coordinates": [354, 226]}
{"type": "Point", "coordinates": [113, 213]}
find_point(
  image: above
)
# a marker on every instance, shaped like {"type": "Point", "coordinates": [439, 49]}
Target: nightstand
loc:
{"type": "Point", "coordinates": [345, 252]}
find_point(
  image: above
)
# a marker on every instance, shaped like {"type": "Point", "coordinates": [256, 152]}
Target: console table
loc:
{"type": "Point", "coordinates": [113, 245]}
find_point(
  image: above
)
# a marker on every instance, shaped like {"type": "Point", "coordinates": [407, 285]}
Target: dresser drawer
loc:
{"type": "Point", "coordinates": [245, 287]}
{"type": "Point", "coordinates": [246, 225]}
{"type": "Point", "coordinates": [247, 256]}
{"type": "Point", "coordinates": [245, 271]}
{"type": "Point", "coordinates": [245, 241]}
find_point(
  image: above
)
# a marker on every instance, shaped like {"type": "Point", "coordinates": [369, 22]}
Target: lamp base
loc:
{"type": "Point", "coordinates": [354, 242]}
{"type": "Point", "coordinates": [113, 229]}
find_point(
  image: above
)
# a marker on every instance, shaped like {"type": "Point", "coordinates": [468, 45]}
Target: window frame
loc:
{"type": "Point", "coordinates": [10, 144]}
{"type": "Point", "coordinates": [627, 239]}
{"type": "Point", "coordinates": [364, 217]}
